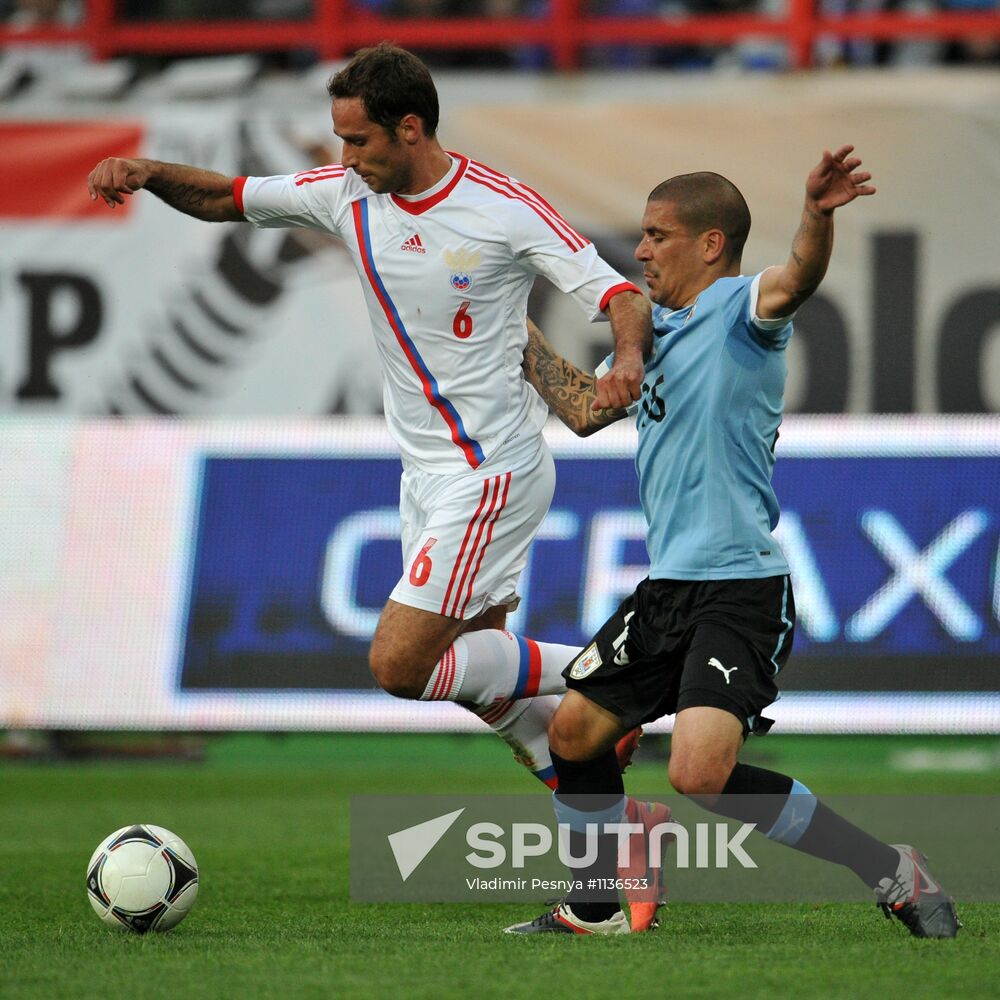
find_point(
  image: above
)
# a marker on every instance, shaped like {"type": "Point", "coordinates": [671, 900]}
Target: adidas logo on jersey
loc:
{"type": "Point", "coordinates": [414, 244]}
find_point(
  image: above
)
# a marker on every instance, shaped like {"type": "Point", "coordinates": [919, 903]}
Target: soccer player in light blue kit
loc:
{"type": "Point", "coordinates": [707, 633]}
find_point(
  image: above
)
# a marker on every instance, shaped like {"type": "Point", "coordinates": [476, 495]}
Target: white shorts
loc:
{"type": "Point", "coordinates": [466, 536]}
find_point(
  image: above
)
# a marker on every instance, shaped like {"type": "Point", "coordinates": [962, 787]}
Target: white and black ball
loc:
{"type": "Point", "coordinates": [142, 878]}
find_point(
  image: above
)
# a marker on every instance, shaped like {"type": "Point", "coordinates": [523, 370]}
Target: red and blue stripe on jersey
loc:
{"type": "Point", "coordinates": [470, 447]}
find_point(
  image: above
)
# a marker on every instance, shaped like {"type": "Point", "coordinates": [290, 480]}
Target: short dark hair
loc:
{"type": "Point", "coordinates": [708, 201]}
{"type": "Point", "coordinates": [392, 83]}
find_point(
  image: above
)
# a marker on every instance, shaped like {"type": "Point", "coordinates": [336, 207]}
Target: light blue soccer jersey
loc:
{"type": "Point", "coordinates": [712, 400]}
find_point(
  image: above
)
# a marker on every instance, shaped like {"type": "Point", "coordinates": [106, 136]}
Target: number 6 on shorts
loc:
{"type": "Point", "coordinates": [420, 571]}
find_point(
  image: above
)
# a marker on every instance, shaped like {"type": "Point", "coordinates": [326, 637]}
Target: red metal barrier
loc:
{"type": "Point", "coordinates": [336, 29]}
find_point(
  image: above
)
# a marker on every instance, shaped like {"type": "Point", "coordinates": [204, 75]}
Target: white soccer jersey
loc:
{"type": "Point", "coordinates": [446, 276]}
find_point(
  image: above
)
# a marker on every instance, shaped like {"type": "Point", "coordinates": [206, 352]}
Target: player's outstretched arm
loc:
{"type": "Point", "coordinates": [834, 182]}
{"type": "Point", "coordinates": [632, 325]}
{"type": "Point", "coordinates": [202, 193]}
{"type": "Point", "coordinates": [569, 392]}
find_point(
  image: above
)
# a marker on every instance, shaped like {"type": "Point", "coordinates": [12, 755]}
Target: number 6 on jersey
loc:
{"type": "Point", "coordinates": [461, 325]}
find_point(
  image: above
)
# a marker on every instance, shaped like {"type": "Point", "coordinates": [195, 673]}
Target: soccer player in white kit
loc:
{"type": "Point", "coordinates": [447, 250]}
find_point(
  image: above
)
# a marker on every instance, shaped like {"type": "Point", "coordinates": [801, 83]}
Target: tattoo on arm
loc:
{"type": "Point", "coordinates": [811, 249]}
{"type": "Point", "coordinates": [184, 197]}
{"type": "Point", "coordinates": [798, 241]}
{"type": "Point", "coordinates": [567, 390]}
{"type": "Point", "coordinates": [201, 193]}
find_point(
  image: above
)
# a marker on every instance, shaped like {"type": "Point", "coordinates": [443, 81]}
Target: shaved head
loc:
{"type": "Point", "coordinates": [708, 201]}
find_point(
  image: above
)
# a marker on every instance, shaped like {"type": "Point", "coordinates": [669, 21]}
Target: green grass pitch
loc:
{"type": "Point", "coordinates": [267, 818]}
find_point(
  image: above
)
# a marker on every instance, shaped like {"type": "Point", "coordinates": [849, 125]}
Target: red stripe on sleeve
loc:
{"type": "Point", "coordinates": [329, 174]}
{"type": "Point", "coordinates": [239, 183]}
{"type": "Point", "coordinates": [325, 169]}
{"type": "Point", "coordinates": [532, 197]}
{"type": "Point", "coordinates": [574, 242]}
{"type": "Point", "coordinates": [625, 286]}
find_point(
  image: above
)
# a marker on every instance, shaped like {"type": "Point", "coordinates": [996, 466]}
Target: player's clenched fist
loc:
{"type": "Point", "coordinates": [620, 387]}
{"type": "Point", "coordinates": [115, 177]}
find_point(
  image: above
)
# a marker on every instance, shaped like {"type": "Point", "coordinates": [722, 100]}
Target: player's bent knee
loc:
{"type": "Point", "coordinates": [396, 687]}
{"type": "Point", "coordinates": [393, 677]}
{"type": "Point", "coordinates": [565, 737]}
{"type": "Point", "coordinates": [692, 777]}
{"type": "Point", "coordinates": [573, 738]}
{"type": "Point", "coordinates": [561, 738]}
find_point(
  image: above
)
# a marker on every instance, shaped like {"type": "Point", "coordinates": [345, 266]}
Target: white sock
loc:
{"type": "Point", "coordinates": [481, 667]}
{"type": "Point", "coordinates": [524, 727]}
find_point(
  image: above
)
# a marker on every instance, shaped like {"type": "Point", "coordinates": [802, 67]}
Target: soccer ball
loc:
{"type": "Point", "coordinates": [142, 877]}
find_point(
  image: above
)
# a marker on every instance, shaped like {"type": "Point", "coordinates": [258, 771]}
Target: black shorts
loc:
{"type": "Point", "coordinates": [677, 644]}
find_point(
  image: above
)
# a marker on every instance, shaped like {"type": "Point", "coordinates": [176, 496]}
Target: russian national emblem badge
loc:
{"type": "Point", "coordinates": [462, 263]}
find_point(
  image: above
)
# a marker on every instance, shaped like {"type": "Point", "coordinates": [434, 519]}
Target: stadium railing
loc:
{"type": "Point", "coordinates": [336, 28]}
